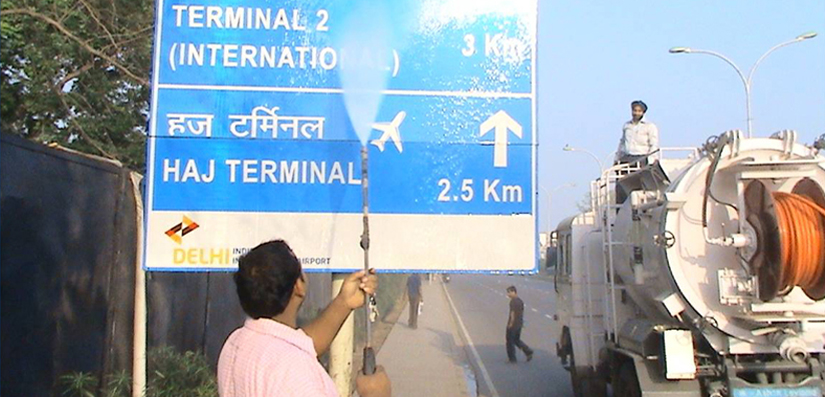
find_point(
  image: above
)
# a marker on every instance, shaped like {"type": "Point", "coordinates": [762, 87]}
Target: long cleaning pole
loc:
{"type": "Point", "coordinates": [369, 353]}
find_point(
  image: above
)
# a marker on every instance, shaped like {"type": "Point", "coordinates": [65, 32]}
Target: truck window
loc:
{"type": "Point", "coordinates": [560, 258]}
{"type": "Point", "coordinates": [551, 257]}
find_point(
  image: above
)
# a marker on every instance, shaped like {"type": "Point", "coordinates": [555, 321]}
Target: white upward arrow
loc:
{"type": "Point", "coordinates": [502, 122]}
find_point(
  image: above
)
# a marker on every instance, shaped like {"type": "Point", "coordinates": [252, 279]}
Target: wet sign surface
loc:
{"type": "Point", "coordinates": [253, 134]}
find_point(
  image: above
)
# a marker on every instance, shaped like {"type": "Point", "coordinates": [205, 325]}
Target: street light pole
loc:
{"type": "Point", "coordinates": [568, 148]}
{"type": "Point", "coordinates": [747, 82]}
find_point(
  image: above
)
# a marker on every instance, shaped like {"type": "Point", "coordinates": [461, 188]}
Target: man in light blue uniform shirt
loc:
{"type": "Point", "coordinates": [640, 138]}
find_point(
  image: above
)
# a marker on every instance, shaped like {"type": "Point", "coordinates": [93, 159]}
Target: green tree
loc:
{"type": "Point", "coordinates": [584, 204]}
{"type": "Point", "coordinates": [76, 72]}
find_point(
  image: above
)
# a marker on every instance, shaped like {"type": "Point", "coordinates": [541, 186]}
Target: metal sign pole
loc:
{"type": "Point", "coordinates": [140, 315]}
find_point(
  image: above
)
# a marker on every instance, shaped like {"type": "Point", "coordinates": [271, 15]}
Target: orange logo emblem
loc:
{"type": "Point", "coordinates": [177, 232]}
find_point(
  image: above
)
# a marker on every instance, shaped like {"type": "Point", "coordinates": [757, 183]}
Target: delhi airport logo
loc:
{"type": "Point", "coordinates": [185, 227]}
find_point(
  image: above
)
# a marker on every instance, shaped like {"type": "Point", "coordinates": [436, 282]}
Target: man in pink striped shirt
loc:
{"type": "Point", "coordinates": [270, 355]}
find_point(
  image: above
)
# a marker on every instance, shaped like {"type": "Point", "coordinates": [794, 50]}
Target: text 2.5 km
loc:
{"type": "Point", "coordinates": [493, 191]}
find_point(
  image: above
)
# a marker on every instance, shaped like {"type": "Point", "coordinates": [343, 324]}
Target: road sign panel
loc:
{"type": "Point", "coordinates": [250, 139]}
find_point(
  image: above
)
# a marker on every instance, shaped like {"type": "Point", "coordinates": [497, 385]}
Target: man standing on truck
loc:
{"type": "Point", "coordinates": [640, 138]}
{"type": "Point", "coordinates": [514, 325]}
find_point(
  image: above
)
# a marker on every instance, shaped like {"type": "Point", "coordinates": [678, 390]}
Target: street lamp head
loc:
{"type": "Point", "coordinates": [745, 81]}
{"type": "Point", "coordinates": [806, 36]}
{"type": "Point", "coordinates": [568, 148]}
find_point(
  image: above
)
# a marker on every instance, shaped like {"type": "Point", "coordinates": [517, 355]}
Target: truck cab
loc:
{"type": "Point", "coordinates": [579, 283]}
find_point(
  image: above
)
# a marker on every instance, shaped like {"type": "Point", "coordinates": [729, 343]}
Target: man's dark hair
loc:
{"type": "Point", "coordinates": [512, 288]}
{"type": "Point", "coordinates": [265, 279]}
{"type": "Point", "coordinates": [640, 104]}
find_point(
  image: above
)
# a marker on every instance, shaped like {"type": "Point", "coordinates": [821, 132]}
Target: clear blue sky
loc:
{"type": "Point", "coordinates": [595, 57]}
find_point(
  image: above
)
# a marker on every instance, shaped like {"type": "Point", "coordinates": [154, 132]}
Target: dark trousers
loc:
{"type": "Point", "coordinates": [413, 321]}
{"type": "Point", "coordinates": [513, 341]}
{"type": "Point", "coordinates": [638, 160]}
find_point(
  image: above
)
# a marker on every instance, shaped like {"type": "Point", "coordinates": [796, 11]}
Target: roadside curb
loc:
{"type": "Point", "coordinates": [460, 349]}
{"type": "Point", "coordinates": [467, 344]}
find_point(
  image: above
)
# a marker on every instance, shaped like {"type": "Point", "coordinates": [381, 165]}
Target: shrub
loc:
{"type": "Point", "coordinates": [172, 374]}
{"type": "Point", "coordinates": [169, 373]}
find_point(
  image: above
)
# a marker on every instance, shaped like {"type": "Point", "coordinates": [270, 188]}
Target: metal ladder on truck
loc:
{"type": "Point", "coordinates": [607, 209]}
{"type": "Point", "coordinates": [602, 200]}
{"type": "Point", "coordinates": [607, 216]}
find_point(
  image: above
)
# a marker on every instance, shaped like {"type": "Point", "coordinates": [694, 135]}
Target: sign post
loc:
{"type": "Point", "coordinates": [250, 139]}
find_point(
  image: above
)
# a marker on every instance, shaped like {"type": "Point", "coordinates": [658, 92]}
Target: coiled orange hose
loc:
{"type": "Point", "coordinates": [802, 232]}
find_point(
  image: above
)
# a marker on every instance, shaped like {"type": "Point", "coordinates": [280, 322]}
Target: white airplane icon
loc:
{"type": "Point", "coordinates": [390, 132]}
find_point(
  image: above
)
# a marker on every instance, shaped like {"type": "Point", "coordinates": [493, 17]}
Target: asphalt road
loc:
{"type": "Point", "coordinates": [482, 306]}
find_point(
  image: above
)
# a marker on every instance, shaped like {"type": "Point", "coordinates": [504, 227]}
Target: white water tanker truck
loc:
{"type": "Point", "coordinates": [707, 280]}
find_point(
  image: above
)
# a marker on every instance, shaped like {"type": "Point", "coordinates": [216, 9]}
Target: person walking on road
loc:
{"type": "Point", "coordinates": [270, 355]}
{"type": "Point", "coordinates": [514, 325]}
{"type": "Point", "coordinates": [414, 296]}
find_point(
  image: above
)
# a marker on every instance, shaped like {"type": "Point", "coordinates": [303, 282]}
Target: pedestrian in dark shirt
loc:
{"type": "Point", "coordinates": [414, 295]}
{"type": "Point", "coordinates": [514, 324]}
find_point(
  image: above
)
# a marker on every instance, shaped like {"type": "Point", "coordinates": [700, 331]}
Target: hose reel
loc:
{"type": "Point", "coordinates": [790, 238]}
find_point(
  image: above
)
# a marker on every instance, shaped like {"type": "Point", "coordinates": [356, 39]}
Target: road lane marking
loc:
{"type": "Point", "coordinates": [534, 310]}
{"type": "Point", "coordinates": [480, 364]}
{"type": "Point", "coordinates": [548, 316]}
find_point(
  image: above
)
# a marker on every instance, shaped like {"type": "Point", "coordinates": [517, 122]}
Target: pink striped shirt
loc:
{"type": "Point", "coordinates": [267, 358]}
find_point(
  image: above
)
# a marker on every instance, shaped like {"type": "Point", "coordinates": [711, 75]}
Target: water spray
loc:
{"type": "Point", "coordinates": [363, 82]}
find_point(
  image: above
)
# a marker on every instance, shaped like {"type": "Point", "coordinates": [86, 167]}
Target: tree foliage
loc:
{"type": "Point", "coordinates": [76, 72]}
{"type": "Point", "coordinates": [585, 204]}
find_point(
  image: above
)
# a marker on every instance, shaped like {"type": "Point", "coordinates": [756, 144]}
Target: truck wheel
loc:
{"type": "Point", "coordinates": [587, 384]}
{"type": "Point", "coordinates": [627, 384]}
{"type": "Point", "coordinates": [565, 351]}
{"type": "Point", "coordinates": [579, 383]}
{"type": "Point", "coordinates": [584, 387]}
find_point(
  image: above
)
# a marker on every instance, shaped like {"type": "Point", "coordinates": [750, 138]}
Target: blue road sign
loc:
{"type": "Point", "coordinates": [250, 138]}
